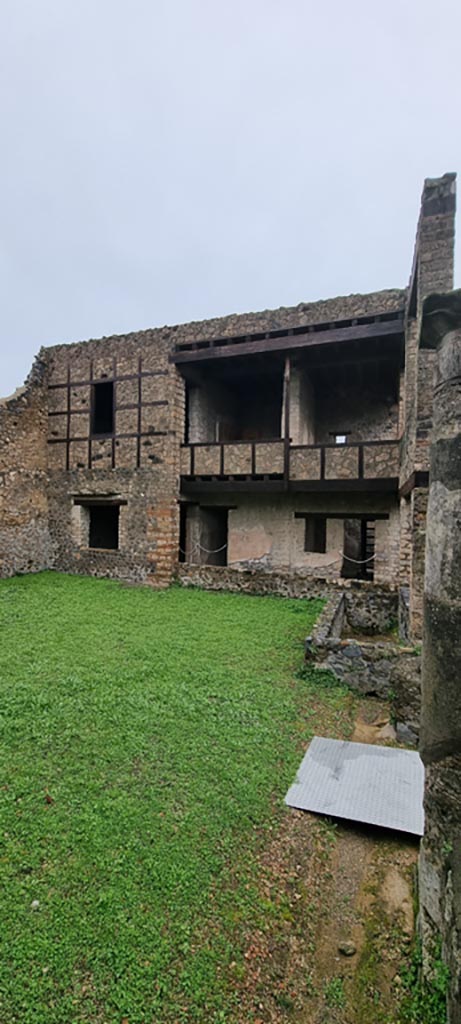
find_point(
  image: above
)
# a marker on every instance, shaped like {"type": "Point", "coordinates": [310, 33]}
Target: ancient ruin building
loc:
{"type": "Point", "coordinates": [293, 439]}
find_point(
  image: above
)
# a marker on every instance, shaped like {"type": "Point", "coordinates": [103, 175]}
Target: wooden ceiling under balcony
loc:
{"type": "Point", "coordinates": [382, 334]}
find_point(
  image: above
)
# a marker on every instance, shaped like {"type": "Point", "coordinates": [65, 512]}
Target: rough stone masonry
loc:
{"type": "Point", "coordinates": [294, 439]}
{"type": "Point", "coordinates": [440, 865]}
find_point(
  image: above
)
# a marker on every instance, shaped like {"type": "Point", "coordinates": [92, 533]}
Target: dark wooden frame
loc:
{"type": "Point", "coordinates": [321, 483]}
{"type": "Point", "coordinates": [113, 436]}
{"type": "Point", "coordinates": [381, 326]}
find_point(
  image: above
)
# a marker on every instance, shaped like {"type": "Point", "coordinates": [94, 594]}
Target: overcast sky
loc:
{"type": "Point", "coordinates": [170, 160]}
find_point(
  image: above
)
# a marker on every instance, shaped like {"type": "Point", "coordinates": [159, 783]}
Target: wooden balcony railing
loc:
{"type": "Point", "coordinates": [275, 459]}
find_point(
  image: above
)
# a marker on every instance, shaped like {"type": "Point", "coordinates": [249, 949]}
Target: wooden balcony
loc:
{"type": "Point", "coordinates": [277, 465]}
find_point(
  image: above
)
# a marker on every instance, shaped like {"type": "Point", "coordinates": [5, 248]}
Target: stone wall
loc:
{"type": "Point", "coordinates": [24, 537]}
{"type": "Point", "coordinates": [362, 412]}
{"type": "Point", "coordinates": [257, 581]}
{"type": "Point", "coordinates": [138, 464]}
{"type": "Point", "coordinates": [349, 639]}
{"type": "Point", "coordinates": [440, 863]}
{"type": "Point", "coordinates": [432, 271]}
{"type": "Point", "coordinates": [343, 307]}
{"type": "Point", "coordinates": [370, 606]}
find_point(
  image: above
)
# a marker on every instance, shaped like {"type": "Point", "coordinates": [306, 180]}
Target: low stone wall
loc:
{"type": "Point", "coordinates": [372, 666]}
{"type": "Point", "coordinates": [371, 607]}
{"type": "Point", "coordinates": [329, 625]}
{"type": "Point", "coordinates": [253, 581]}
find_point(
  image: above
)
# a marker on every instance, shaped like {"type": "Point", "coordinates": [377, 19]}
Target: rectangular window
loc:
{"type": "Point", "coordinates": [104, 522]}
{"type": "Point", "coordinates": [315, 537]}
{"type": "Point", "coordinates": [340, 438]}
{"type": "Point", "coordinates": [102, 408]}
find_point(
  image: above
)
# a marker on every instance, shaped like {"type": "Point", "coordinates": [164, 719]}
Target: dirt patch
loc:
{"type": "Point", "coordinates": [347, 894]}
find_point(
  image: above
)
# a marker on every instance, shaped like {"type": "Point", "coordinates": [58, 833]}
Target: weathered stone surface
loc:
{"type": "Point", "coordinates": [440, 868]}
{"type": "Point", "coordinates": [25, 543]}
{"type": "Point", "coordinates": [237, 459]}
{"type": "Point", "coordinates": [381, 460]}
{"type": "Point", "coordinates": [305, 464]}
{"type": "Point", "coordinates": [341, 463]}
{"type": "Point", "coordinates": [377, 667]}
{"type": "Point", "coordinates": [269, 458]}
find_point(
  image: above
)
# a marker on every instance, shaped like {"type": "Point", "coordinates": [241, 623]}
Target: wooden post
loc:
{"type": "Point", "coordinates": [286, 418]}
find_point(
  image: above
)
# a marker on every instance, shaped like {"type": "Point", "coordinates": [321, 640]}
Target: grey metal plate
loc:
{"type": "Point", "coordinates": [362, 782]}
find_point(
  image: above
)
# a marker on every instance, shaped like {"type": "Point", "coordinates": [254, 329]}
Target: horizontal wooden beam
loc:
{"type": "Point", "coordinates": [387, 485]}
{"type": "Point", "coordinates": [289, 343]}
{"type": "Point", "coordinates": [99, 500]}
{"type": "Point", "coordinates": [108, 380]}
{"type": "Point", "coordinates": [342, 515]}
{"type": "Point", "coordinates": [420, 478]}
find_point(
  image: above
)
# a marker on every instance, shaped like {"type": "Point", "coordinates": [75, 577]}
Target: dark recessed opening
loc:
{"type": "Point", "coordinates": [214, 530]}
{"type": "Point", "coordinates": [182, 532]}
{"type": "Point", "coordinates": [102, 408]}
{"type": "Point", "coordinates": [315, 538]}
{"type": "Point", "coordinates": [104, 521]}
{"type": "Point", "coordinates": [413, 299]}
{"type": "Point", "coordinates": [358, 549]}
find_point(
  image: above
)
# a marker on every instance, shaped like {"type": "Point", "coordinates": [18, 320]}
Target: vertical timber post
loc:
{"type": "Point", "coordinates": [286, 420]}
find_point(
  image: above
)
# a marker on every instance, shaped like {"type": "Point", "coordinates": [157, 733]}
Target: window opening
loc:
{"type": "Point", "coordinates": [104, 526]}
{"type": "Point", "coordinates": [102, 408]}
{"type": "Point", "coordinates": [315, 537]}
{"type": "Point", "coordinates": [340, 438]}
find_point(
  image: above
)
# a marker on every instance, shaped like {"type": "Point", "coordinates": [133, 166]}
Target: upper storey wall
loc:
{"type": "Point", "coordinates": [345, 307]}
{"type": "Point", "coordinates": [138, 460]}
{"type": "Point", "coordinates": [147, 403]}
{"type": "Point", "coordinates": [149, 391]}
{"type": "Point", "coordinates": [24, 537]}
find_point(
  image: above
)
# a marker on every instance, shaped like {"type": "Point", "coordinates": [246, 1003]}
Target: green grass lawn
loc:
{"type": "Point", "coordinates": [148, 739]}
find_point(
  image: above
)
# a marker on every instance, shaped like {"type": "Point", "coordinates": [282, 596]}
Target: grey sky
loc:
{"type": "Point", "coordinates": [169, 160]}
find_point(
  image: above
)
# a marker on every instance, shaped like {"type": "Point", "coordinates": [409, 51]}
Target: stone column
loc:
{"type": "Point", "coordinates": [440, 742]}
{"type": "Point", "coordinates": [432, 272]}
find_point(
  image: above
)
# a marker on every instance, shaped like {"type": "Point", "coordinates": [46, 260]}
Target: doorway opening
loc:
{"type": "Point", "coordinates": [358, 549]}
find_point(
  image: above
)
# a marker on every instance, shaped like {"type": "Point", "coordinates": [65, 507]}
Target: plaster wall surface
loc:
{"type": "Point", "coordinates": [266, 530]}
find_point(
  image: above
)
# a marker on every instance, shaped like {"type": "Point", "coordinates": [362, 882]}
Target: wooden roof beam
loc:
{"type": "Point", "coordinates": [385, 329]}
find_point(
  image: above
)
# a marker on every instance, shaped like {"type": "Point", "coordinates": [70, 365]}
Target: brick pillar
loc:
{"type": "Point", "coordinates": [440, 743]}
